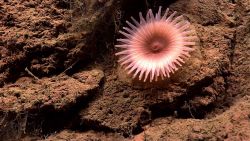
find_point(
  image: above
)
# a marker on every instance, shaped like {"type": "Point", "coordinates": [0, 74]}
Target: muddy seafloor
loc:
{"type": "Point", "coordinates": [59, 77]}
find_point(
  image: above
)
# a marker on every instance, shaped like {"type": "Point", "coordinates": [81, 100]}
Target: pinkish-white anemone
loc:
{"type": "Point", "coordinates": [155, 46]}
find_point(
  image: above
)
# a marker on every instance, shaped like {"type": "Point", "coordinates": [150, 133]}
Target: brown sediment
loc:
{"type": "Point", "coordinates": [59, 78]}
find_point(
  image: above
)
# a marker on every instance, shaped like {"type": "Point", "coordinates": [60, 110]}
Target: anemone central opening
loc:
{"type": "Point", "coordinates": [157, 44]}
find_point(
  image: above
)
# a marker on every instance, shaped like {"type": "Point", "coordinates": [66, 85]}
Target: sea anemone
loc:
{"type": "Point", "coordinates": [156, 45]}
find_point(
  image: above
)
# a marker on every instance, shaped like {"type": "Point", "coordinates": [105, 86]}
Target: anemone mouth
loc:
{"type": "Point", "coordinates": [155, 41]}
{"type": "Point", "coordinates": [155, 46]}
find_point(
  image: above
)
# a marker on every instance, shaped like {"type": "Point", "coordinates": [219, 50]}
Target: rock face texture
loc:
{"type": "Point", "coordinates": [59, 78]}
{"type": "Point", "coordinates": [48, 103]}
